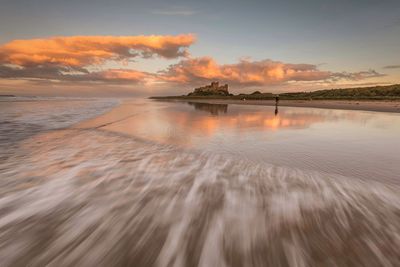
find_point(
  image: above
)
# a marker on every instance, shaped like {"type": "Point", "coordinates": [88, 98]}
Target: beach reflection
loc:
{"type": "Point", "coordinates": [199, 122]}
{"type": "Point", "coordinates": [337, 141]}
{"type": "Point", "coordinates": [214, 109]}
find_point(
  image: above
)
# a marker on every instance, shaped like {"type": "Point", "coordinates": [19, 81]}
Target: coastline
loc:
{"type": "Point", "coordinates": [365, 105]}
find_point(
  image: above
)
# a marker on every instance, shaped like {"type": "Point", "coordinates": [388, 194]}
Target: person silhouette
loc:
{"type": "Point", "coordinates": [276, 104]}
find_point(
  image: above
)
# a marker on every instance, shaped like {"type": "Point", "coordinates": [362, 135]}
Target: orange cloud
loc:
{"type": "Point", "coordinates": [71, 59]}
{"type": "Point", "coordinates": [122, 74]}
{"type": "Point", "coordinates": [81, 51]}
{"type": "Point", "coordinates": [116, 75]}
{"type": "Point", "coordinates": [253, 73]}
{"type": "Point", "coordinates": [244, 73]}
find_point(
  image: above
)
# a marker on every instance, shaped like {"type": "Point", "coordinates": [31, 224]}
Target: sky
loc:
{"type": "Point", "coordinates": [121, 47]}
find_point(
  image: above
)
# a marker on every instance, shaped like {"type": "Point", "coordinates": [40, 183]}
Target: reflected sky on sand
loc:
{"type": "Point", "coordinates": [351, 143]}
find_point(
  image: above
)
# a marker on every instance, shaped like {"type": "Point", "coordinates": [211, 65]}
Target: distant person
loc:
{"type": "Point", "coordinates": [276, 100]}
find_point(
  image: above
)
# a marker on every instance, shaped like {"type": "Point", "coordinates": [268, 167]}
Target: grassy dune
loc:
{"type": "Point", "coordinates": [390, 92]}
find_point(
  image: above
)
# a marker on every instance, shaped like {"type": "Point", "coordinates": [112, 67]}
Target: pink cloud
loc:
{"type": "Point", "coordinates": [246, 72]}
{"type": "Point", "coordinates": [81, 51]}
{"type": "Point", "coordinates": [71, 59]}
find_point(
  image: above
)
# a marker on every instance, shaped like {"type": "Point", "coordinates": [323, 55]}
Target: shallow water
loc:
{"type": "Point", "coordinates": [357, 144]}
{"type": "Point", "coordinates": [176, 184]}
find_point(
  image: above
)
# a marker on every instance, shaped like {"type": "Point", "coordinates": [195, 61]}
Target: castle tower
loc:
{"type": "Point", "coordinates": [214, 85]}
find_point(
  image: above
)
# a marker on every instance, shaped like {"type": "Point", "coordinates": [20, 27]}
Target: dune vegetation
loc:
{"type": "Point", "coordinates": [390, 92]}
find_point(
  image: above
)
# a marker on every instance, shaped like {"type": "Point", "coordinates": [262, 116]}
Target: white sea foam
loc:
{"type": "Point", "coordinates": [92, 198]}
{"type": "Point", "coordinates": [52, 113]}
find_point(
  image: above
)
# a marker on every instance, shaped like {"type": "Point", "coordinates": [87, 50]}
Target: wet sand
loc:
{"type": "Point", "coordinates": [90, 198]}
{"type": "Point", "coordinates": [380, 106]}
{"type": "Point", "coordinates": [86, 196]}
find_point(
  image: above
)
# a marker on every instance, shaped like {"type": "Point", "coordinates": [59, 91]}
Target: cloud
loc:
{"type": "Point", "coordinates": [357, 76]}
{"type": "Point", "coordinates": [41, 72]}
{"type": "Point", "coordinates": [392, 67]}
{"type": "Point", "coordinates": [245, 72]}
{"type": "Point", "coordinates": [120, 75]}
{"type": "Point", "coordinates": [71, 58]}
{"type": "Point", "coordinates": [83, 51]}
{"type": "Point", "coordinates": [174, 11]}
{"type": "Point", "coordinates": [110, 76]}
{"type": "Point", "coordinates": [64, 74]}
{"type": "Point", "coordinates": [76, 59]}
{"type": "Point", "coordinates": [252, 73]}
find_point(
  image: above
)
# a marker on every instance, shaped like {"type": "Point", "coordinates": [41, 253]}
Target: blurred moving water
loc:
{"type": "Point", "coordinates": [178, 184]}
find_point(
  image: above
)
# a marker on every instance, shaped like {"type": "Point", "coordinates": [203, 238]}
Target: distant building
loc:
{"type": "Point", "coordinates": [212, 89]}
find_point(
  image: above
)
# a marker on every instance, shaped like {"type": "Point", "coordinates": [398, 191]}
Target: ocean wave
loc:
{"type": "Point", "coordinates": [22, 117]}
{"type": "Point", "coordinates": [53, 113]}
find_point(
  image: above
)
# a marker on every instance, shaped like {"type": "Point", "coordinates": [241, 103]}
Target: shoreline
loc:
{"type": "Point", "coordinates": [364, 105]}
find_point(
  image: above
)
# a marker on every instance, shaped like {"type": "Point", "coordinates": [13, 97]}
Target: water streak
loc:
{"type": "Point", "coordinates": [94, 196]}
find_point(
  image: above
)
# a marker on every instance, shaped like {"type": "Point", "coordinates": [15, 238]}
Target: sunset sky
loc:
{"type": "Point", "coordinates": [105, 48]}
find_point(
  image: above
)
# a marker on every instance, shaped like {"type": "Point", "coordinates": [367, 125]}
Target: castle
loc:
{"type": "Point", "coordinates": [213, 89]}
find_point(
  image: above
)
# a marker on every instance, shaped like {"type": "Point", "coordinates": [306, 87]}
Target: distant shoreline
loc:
{"type": "Point", "coordinates": [366, 105]}
{"type": "Point", "coordinates": [376, 98]}
{"type": "Point", "coordinates": [7, 95]}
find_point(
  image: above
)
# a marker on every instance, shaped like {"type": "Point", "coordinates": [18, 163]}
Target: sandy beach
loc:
{"type": "Point", "coordinates": [149, 183]}
{"type": "Point", "coordinates": [379, 106]}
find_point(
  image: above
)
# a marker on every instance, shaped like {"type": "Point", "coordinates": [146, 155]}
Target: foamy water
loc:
{"type": "Point", "coordinates": [91, 197]}
{"type": "Point", "coordinates": [21, 117]}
